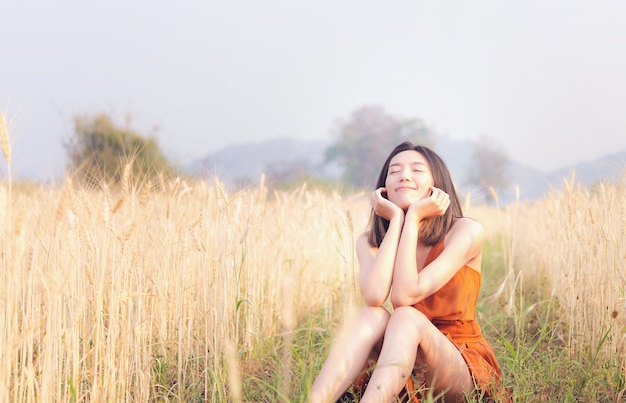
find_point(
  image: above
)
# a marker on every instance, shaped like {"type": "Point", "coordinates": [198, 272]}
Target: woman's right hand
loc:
{"type": "Point", "coordinates": [383, 207]}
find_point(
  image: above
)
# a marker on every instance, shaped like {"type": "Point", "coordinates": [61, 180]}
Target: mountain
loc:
{"type": "Point", "coordinates": [609, 168]}
{"type": "Point", "coordinates": [245, 162]}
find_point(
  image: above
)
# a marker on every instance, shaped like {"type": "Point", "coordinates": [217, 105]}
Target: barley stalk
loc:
{"type": "Point", "coordinates": [6, 150]}
{"type": "Point", "coordinates": [126, 176]}
{"type": "Point", "coordinates": [4, 139]}
{"type": "Point", "coordinates": [234, 376]}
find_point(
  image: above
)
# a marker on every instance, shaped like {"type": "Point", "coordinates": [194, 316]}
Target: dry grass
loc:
{"type": "Point", "coordinates": [575, 240]}
{"type": "Point", "coordinates": [4, 139]}
{"type": "Point", "coordinates": [136, 296]}
{"type": "Point", "coordinates": [162, 292]}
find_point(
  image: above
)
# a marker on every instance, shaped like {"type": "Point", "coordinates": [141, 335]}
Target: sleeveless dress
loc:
{"type": "Point", "coordinates": [452, 309]}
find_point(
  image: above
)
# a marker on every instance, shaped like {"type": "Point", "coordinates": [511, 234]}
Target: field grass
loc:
{"type": "Point", "coordinates": [185, 291]}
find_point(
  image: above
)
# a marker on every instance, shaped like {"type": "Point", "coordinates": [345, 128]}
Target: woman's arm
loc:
{"type": "Point", "coordinates": [376, 267]}
{"type": "Point", "coordinates": [463, 245]}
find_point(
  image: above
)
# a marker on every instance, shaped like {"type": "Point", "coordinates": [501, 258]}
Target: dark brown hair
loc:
{"type": "Point", "coordinates": [431, 229]}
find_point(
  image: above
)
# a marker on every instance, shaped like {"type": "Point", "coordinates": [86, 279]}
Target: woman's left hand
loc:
{"type": "Point", "coordinates": [434, 205]}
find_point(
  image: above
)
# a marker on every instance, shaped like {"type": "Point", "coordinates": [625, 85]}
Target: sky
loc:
{"type": "Point", "coordinates": [543, 80]}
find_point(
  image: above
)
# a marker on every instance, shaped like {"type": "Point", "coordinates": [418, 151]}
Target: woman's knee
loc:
{"type": "Point", "coordinates": [374, 317]}
{"type": "Point", "coordinates": [374, 314]}
{"type": "Point", "coordinates": [408, 316]}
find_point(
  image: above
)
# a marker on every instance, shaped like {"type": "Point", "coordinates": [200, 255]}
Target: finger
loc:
{"type": "Point", "coordinates": [441, 195]}
{"type": "Point", "coordinates": [446, 205]}
{"type": "Point", "coordinates": [376, 196]}
{"type": "Point", "coordinates": [381, 193]}
{"type": "Point", "coordinates": [436, 192]}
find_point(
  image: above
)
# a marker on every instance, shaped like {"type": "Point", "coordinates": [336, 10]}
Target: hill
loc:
{"type": "Point", "coordinates": [244, 163]}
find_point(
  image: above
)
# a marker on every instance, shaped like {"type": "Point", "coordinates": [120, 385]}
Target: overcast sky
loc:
{"type": "Point", "coordinates": [544, 79]}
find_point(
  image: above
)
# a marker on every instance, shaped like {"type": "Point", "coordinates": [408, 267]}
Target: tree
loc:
{"type": "Point", "coordinates": [281, 173]}
{"type": "Point", "coordinates": [365, 140]}
{"type": "Point", "coordinates": [100, 150]}
{"type": "Point", "coordinates": [489, 167]}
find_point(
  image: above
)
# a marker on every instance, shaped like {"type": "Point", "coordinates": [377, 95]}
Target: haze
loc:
{"type": "Point", "coordinates": [544, 80]}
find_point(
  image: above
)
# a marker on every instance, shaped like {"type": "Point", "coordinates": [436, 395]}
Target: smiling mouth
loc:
{"type": "Point", "coordinates": [404, 188]}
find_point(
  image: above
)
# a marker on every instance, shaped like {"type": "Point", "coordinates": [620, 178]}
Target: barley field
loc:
{"type": "Point", "coordinates": [185, 291]}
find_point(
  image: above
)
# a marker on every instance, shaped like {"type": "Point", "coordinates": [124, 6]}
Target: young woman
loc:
{"type": "Point", "coordinates": [422, 254]}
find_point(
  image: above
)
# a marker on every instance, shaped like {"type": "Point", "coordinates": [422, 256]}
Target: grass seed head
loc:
{"type": "Point", "coordinates": [4, 139]}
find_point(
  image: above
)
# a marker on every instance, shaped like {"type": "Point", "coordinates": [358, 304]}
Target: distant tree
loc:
{"type": "Point", "coordinates": [286, 175]}
{"type": "Point", "coordinates": [489, 169]}
{"type": "Point", "coordinates": [364, 141]}
{"type": "Point", "coordinates": [287, 171]}
{"type": "Point", "coordinates": [99, 150]}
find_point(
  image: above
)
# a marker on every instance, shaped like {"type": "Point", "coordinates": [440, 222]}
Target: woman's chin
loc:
{"type": "Point", "coordinates": [405, 202]}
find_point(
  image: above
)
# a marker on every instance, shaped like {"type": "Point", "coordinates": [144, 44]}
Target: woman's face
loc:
{"type": "Point", "coordinates": [408, 179]}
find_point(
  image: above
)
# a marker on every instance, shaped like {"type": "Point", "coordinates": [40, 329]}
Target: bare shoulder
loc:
{"type": "Point", "coordinates": [362, 242]}
{"type": "Point", "coordinates": [467, 226]}
{"type": "Point", "coordinates": [363, 247]}
{"type": "Point", "coordinates": [467, 234]}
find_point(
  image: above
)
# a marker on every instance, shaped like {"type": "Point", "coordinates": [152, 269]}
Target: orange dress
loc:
{"type": "Point", "coordinates": [452, 309]}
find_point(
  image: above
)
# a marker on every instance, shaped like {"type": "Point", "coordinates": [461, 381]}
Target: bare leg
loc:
{"type": "Point", "coordinates": [407, 330]}
{"type": "Point", "coordinates": [349, 354]}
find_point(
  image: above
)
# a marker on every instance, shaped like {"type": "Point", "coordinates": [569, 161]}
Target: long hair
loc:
{"type": "Point", "coordinates": [431, 229]}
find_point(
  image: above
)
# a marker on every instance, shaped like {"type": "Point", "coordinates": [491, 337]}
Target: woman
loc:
{"type": "Point", "coordinates": [422, 254]}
